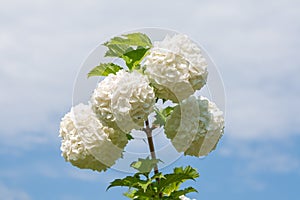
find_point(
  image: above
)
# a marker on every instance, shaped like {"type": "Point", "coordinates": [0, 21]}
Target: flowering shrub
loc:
{"type": "Point", "coordinates": [94, 136]}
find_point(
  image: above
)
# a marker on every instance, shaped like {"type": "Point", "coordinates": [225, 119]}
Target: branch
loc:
{"type": "Point", "coordinates": [148, 132]}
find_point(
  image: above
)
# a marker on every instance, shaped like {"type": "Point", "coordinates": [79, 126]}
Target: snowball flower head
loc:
{"type": "Point", "coordinates": [195, 126]}
{"type": "Point", "coordinates": [86, 142]}
{"type": "Point", "coordinates": [176, 68]}
{"type": "Point", "coordinates": [124, 100]}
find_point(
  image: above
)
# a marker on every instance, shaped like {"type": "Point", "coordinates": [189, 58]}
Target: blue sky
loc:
{"type": "Point", "coordinates": [255, 45]}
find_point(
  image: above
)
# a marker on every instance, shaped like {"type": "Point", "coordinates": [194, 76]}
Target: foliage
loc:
{"type": "Point", "coordinates": [142, 186]}
{"type": "Point", "coordinates": [104, 69]}
{"type": "Point", "coordinates": [145, 165]}
{"type": "Point", "coordinates": [133, 57]}
{"type": "Point", "coordinates": [132, 48]}
{"type": "Point", "coordinates": [161, 115]}
{"type": "Point", "coordinates": [120, 45]}
{"type": "Point", "coordinates": [129, 137]}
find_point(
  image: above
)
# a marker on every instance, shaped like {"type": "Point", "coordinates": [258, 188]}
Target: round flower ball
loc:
{"type": "Point", "coordinates": [86, 142]}
{"type": "Point", "coordinates": [195, 126]}
{"type": "Point", "coordinates": [176, 68]}
{"type": "Point", "coordinates": [124, 100]}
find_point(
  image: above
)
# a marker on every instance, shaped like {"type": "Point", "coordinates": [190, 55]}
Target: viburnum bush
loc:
{"type": "Point", "coordinates": [94, 135]}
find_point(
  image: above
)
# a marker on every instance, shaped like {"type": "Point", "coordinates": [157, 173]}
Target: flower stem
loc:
{"type": "Point", "coordinates": [148, 131]}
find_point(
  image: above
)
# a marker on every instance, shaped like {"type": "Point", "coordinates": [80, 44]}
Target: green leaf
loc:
{"type": "Point", "coordinates": [120, 45]}
{"type": "Point", "coordinates": [104, 69]}
{"type": "Point", "coordinates": [160, 119]}
{"type": "Point", "coordinates": [134, 57]}
{"type": "Point", "coordinates": [139, 194]}
{"type": "Point", "coordinates": [173, 181]}
{"type": "Point", "coordinates": [129, 137]}
{"type": "Point", "coordinates": [118, 51]}
{"type": "Point", "coordinates": [147, 188]}
{"type": "Point", "coordinates": [131, 39]}
{"type": "Point", "coordinates": [167, 111]}
{"type": "Point", "coordinates": [158, 176]}
{"type": "Point", "coordinates": [128, 181]}
{"type": "Point", "coordinates": [177, 194]}
{"type": "Point", "coordinates": [147, 195]}
{"type": "Point", "coordinates": [144, 184]}
{"type": "Point", "coordinates": [145, 165]}
{"type": "Point", "coordinates": [161, 115]}
{"type": "Point", "coordinates": [189, 171]}
{"type": "Point", "coordinates": [130, 194]}
{"type": "Point", "coordinates": [167, 190]}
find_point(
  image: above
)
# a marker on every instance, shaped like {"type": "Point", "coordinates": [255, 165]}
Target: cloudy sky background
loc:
{"type": "Point", "coordinates": [255, 45]}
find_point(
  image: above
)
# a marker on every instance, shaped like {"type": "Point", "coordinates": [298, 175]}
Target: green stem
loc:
{"type": "Point", "coordinates": [148, 131]}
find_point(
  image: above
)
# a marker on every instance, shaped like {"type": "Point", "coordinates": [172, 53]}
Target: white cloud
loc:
{"type": "Point", "coordinates": [259, 114]}
{"type": "Point", "coordinates": [263, 157]}
{"type": "Point", "coordinates": [256, 184]}
{"type": "Point", "coordinates": [253, 43]}
{"type": "Point", "coordinates": [254, 161]}
{"type": "Point", "coordinates": [82, 175]}
{"type": "Point", "coordinates": [12, 194]}
{"type": "Point", "coordinates": [280, 163]}
{"type": "Point", "coordinates": [257, 55]}
{"type": "Point", "coordinates": [55, 170]}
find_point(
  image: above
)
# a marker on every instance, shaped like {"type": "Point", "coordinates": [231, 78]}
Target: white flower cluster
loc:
{"type": "Point", "coordinates": [195, 126]}
{"type": "Point", "coordinates": [124, 99]}
{"type": "Point", "coordinates": [86, 142]}
{"type": "Point", "coordinates": [176, 68]}
{"type": "Point", "coordinates": [94, 135]}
